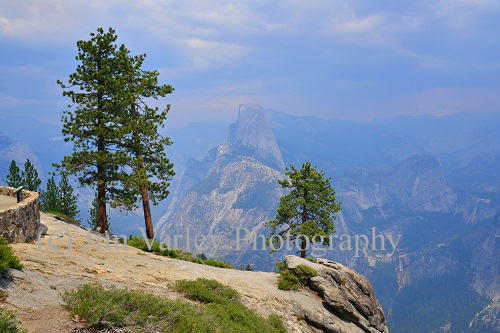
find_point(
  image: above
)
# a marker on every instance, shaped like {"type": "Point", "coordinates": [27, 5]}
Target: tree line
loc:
{"type": "Point", "coordinates": [57, 198]}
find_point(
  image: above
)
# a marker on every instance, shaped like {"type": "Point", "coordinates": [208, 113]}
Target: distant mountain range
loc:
{"type": "Point", "coordinates": [433, 180]}
{"type": "Point", "coordinates": [415, 177]}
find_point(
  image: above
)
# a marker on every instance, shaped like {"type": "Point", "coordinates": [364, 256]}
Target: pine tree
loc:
{"type": "Point", "coordinates": [94, 209]}
{"type": "Point", "coordinates": [202, 256]}
{"type": "Point", "coordinates": [49, 199]}
{"type": "Point", "coordinates": [30, 177]}
{"type": "Point", "coordinates": [249, 268]}
{"type": "Point", "coordinates": [14, 178]}
{"type": "Point", "coordinates": [93, 222]}
{"type": "Point", "coordinates": [68, 201]}
{"type": "Point", "coordinates": [98, 122]}
{"type": "Point", "coordinates": [152, 170]}
{"type": "Point", "coordinates": [308, 210]}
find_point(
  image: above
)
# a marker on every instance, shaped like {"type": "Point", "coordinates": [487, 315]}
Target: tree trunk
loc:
{"type": "Point", "coordinates": [147, 212]}
{"type": "Point", "coordinates": [303, 248]}
{"type": "Point", "coordinates": [102, 218]}
{"type": "Point", "coordinates": [145, 202]}
{"type": "Point", "coordinates": [304, 220]}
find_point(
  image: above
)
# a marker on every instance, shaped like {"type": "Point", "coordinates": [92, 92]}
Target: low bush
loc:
{"type": "Point", "coordinates": [207, 291]}
{"type": "Point", "coordinates": [304, 272]}
{"type": "Point", "coordinates": [294, 279]}
{"type": "Point", "coordinates": [137, 311]}
{"type": "Point", "coordinates": [9, 323]}
{"type": "Point", "coordinates": [140, 243]}
{"type": "Point", "coordinates": [288, 281]}
{"type": "Point", "coordinates": [65, 218]}
{"type": "Point", "coordinates": [3, 295]}
{"type": "Point", "coordinates": [7, 257]}
{"type": "Point", "coordinates": [214, 263]}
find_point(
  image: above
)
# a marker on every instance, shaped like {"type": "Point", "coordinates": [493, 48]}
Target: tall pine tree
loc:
{"type": "Point", "coordinates": [30, 177]}
{"type": "Point", "coordinates": [98, 124]}
{"type": "Point", "coordinates": [49, 199]}
{"type": "Point", "coordinates": [67, 200]}
{"type": "Point", "coordinates": [151, 169]}
{"type": "Point", "coordinates": [308, 210]}
{"type": "Point", "coordinates": [14, 178]}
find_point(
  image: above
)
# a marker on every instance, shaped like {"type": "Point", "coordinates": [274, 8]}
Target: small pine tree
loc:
{"type": "Point", "coordinates": [202, 256]}
{"type": "Point", "coordinates": [94, 209]}
{"type": "Point", "coordinates": [308, 210]}
{"type": "Point", "coordinates": [30, 177]}
{"type": "Point", "coordinates": [14, 178]}
{"type": "Point", "coordinates": [68, 201]}
{"type": "Point", "coordinates": [49, 199]}
{"type": "Point", "coordinates": [249, 268]}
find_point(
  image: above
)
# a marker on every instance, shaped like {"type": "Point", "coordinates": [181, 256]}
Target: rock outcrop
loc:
{"type": "Point", "coordinates": [349, 297]}
{"type": "Point", "coordinates": [254, 130]}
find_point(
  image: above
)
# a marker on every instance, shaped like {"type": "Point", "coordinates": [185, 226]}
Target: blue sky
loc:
{"type": "Point", "coordinates": [356, 60]}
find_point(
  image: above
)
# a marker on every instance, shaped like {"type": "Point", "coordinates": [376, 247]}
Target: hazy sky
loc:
{"type": "Point", "coordinates": [333, 59]}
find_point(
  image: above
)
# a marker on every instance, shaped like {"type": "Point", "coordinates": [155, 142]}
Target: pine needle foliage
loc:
{"type": "Point", "coordinates": [308, 210]}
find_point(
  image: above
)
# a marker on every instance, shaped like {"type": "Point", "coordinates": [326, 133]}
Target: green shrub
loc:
{"type": "Point", "coordinates": [141, 244]}
{"type": "Point", "coordinates": [202, 256]}
{"type": "Point", "coordinates": [207, 291]}
{"type": "Point", "coordinates": [314, 260]}
{"type": "Point", "coordinates": [197, 261]}
{"type": "Point", "coordinates": [214, 263]}
{"type": "Point", "coordinates": [9, 323]}
{"type": "Point", "coordinates": [137, 311]}
{"type": "Point", "coordinates": [288, 281]}
{"type": "Point", "coordinates": [187, 256]}
{"type": "Point", "coordinates": [65, 218]}
{"type": "Point", "coordinates": [3, 295]}
{"type": "Point", "coordinates": [304, 272]}
{"type": "Point", "coordinates": [293, 279]}
{"type": "Point", "coordinates": [7, 256]}
{"type": "Point", "coordinates": [279, 266]}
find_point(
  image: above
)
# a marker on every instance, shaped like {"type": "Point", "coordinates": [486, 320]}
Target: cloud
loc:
{"type": "Point", "coordinates": [463, 13]}
{"type": "Point", "coordinates": [290, 55]}
{"type": "Point", "coordinates": [204, 53]}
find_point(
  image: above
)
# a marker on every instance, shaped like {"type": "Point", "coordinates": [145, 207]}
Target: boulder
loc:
{"type": "Point", "coordinates": [348, 295]}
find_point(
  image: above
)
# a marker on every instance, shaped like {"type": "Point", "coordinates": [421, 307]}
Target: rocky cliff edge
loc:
{"type": "Point", "coordinates": [331, 305]}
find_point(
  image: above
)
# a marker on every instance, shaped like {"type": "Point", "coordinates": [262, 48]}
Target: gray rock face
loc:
{"type": "Point", "coordinates": [238, 191]}
{"type": "Point", "coordinates": [235, 186]}
{"type": "Point", "coordinates": [488, 319]}
{"type": "Point", "coordinates": [349, 296]}
{"type": "Point", "coordinates": [254, 130]}
{"type": "Point", "coordinates": [418, 182]}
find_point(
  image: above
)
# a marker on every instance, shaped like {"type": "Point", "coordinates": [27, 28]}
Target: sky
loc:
{"type": "Point", "coordinates": [356, 60]}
